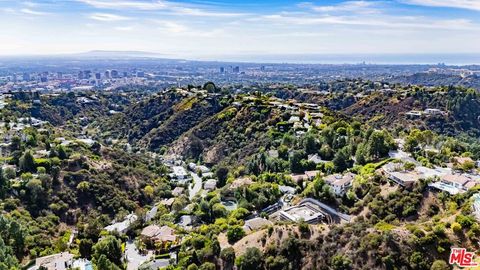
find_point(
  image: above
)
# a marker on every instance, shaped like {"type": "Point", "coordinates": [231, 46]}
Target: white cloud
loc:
{"type": "Point", "coordinates": [203, 13]}
{"type": "Point", "coordinates": [107, 17]}
{"type": "Point", "coordinates": [171, 26]}
{"type": "Point", "coordinates": [463, 4]}
{"type": "Point", "coordinates": [30, 4]}
{"type": "Point", "coordinates": [172, 7]}
{"type": "Point", "coordinates": [32, 12]}
{"type": "Point", "coordinates": [119, 4]}
{"type": "Point", "coordinates": [7, 10]}
{"type": "Point", "coordinates": [373, 20]}
{"type": "Point", "coordinates": [348, 6]}
{"type": "Point", "coordinates": [123, 28]}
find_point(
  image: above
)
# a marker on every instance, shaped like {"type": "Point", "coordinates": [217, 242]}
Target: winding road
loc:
{"type": "Point", "coordinates": [196, 186]}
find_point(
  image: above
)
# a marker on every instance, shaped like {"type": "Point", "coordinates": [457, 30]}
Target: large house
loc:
{"type": "Point", "coordinates": [396, 173]}
{"type": "Point", "coordinates": [308, 175]}
{"type": "Point", "coordinates": [153, 234]}
{"type": "Point", "coordinates": [404, 178]}
{"type": "Point", "coordinates": [179, 172]}
{"type": "Point", "coordinates": [60, 261]}
{"type": "Point", "coordinates": [340, 183]}
{"type": "Point", "coordinates": [454, 183]}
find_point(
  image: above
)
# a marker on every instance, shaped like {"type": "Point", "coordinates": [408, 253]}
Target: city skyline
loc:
{"type": "Point", "coordinates": [219, 30]}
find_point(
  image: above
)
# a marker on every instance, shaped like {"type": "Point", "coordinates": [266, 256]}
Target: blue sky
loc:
{"type": "Point", "coordinates": [217, 29]}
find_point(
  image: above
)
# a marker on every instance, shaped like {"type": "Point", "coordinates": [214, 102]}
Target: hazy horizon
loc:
{"type": "Point", "coordinates": [336, 59]}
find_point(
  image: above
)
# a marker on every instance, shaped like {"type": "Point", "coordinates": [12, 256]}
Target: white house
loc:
{"type": "Point", "coordinates": [340, 183]}
{"type": "Point", "coordinates": [179, 173]}
{"type": "Point", "coordinates": [123, 226]}
{"type": "Point", "coordinates": [60, 261]}
{"type": "Point", "coordinates": [210, 184]}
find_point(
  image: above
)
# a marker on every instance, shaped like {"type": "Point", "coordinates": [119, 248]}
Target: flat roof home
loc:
{"type": "Point", "coordinates": [459, 181]}
{"type": "Point", "coordinates": [286, 189]}
{"type": "Point", "coordinates": [305, 211]}
{"type": "Point", "coordinates": [454, 183]}
{"type": "Point", "coordinates": [340, 183]}
{"type": "Point", "coordinates": [433, 111]}
{"type": "Point", "coordinates": [179, 172]}
{"type": "Point", "coordinates": [404, 178]}
{"type": "Point", "coordinates": [414, 114]}
{"type": "Point", "coordinates": [60, 261]}
{"type": "Point", "coordinates": [210, 184]}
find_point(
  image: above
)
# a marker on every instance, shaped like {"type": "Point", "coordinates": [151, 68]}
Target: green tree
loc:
{"type": "Point", "coordinates": [16, 143]}
{"type": "Point", "coordinates": [222, 175]}
{"type": "Point", "coordinates": [103, 263]}
{"type": "Point", "coordinates": [62, 152]}
{"type": "Point", "coordinates": [207, 266]}
{"type": "Point", "coordinates": [4, 184]}
{"type": "Point", "coordinates": [210, 87]}
{"type": "Point", "coordinates": [310, 144]}
{"type": "Point", "coordinates": [36, 195]}
{"type": "Point", "coordinates": [340, 262]}
{"type": "Point", "coordinates": [439, 265]}
{"type": "Point", "coordinates": [7, 257]}
{"type": "Point", "coordinates": [85, 248]}
{"type": "Point", "coordinates": [277, 263]}
{"type": "Point", "coordinates": [27, 163]}
{"type": "Point", "coordinates": [251, 260]}
{"type": "Point", "coordinates": [111, 248]}
{"type": "Point", "coordinates": [379, 144]}
{"type": "Point", "coordinates": [296, 161]}
{"type": "Point", "coordinates": [342, 160]}
{"type": "Point", "coordinates": [228, 258]}
{"type": "Point", "coordinates": [235, 233]}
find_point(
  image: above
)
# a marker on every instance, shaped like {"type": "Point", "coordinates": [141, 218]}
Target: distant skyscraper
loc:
{"type": "Point", "coordinates": [88, 74]}
{"type": "Point", "coordinates": [98, 76]}
{"type": "Point", "coordinates": [236, 69]}
{"type": "Point", "coordinates": [107, 74]}
{"type": "Point", "coordinates": [222, 70]}
{"type": "Point", "coordinates": [26, 76]}
{"type": "Point", "coordinates": [140, 74]}
{"type": "Point", "coordinates": [59, 75]}
{"type": "Point", "coordinates": [81, 76]}
{"type": "Point", "coordinates": [125, 74]}
{"type": "Point", "coordinates": [114, 73]}
{"type": "Point", "coordinates": [262, 68]}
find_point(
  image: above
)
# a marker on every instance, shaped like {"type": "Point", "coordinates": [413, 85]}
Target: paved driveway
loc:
{"type": "Point", "coordinates": [134, 258]}
{"type": "Point", "coordinates": [196, 186]}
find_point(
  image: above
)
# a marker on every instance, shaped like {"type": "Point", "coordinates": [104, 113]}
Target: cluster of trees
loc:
{"type": "Point", "coordinates": [339, 142]}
